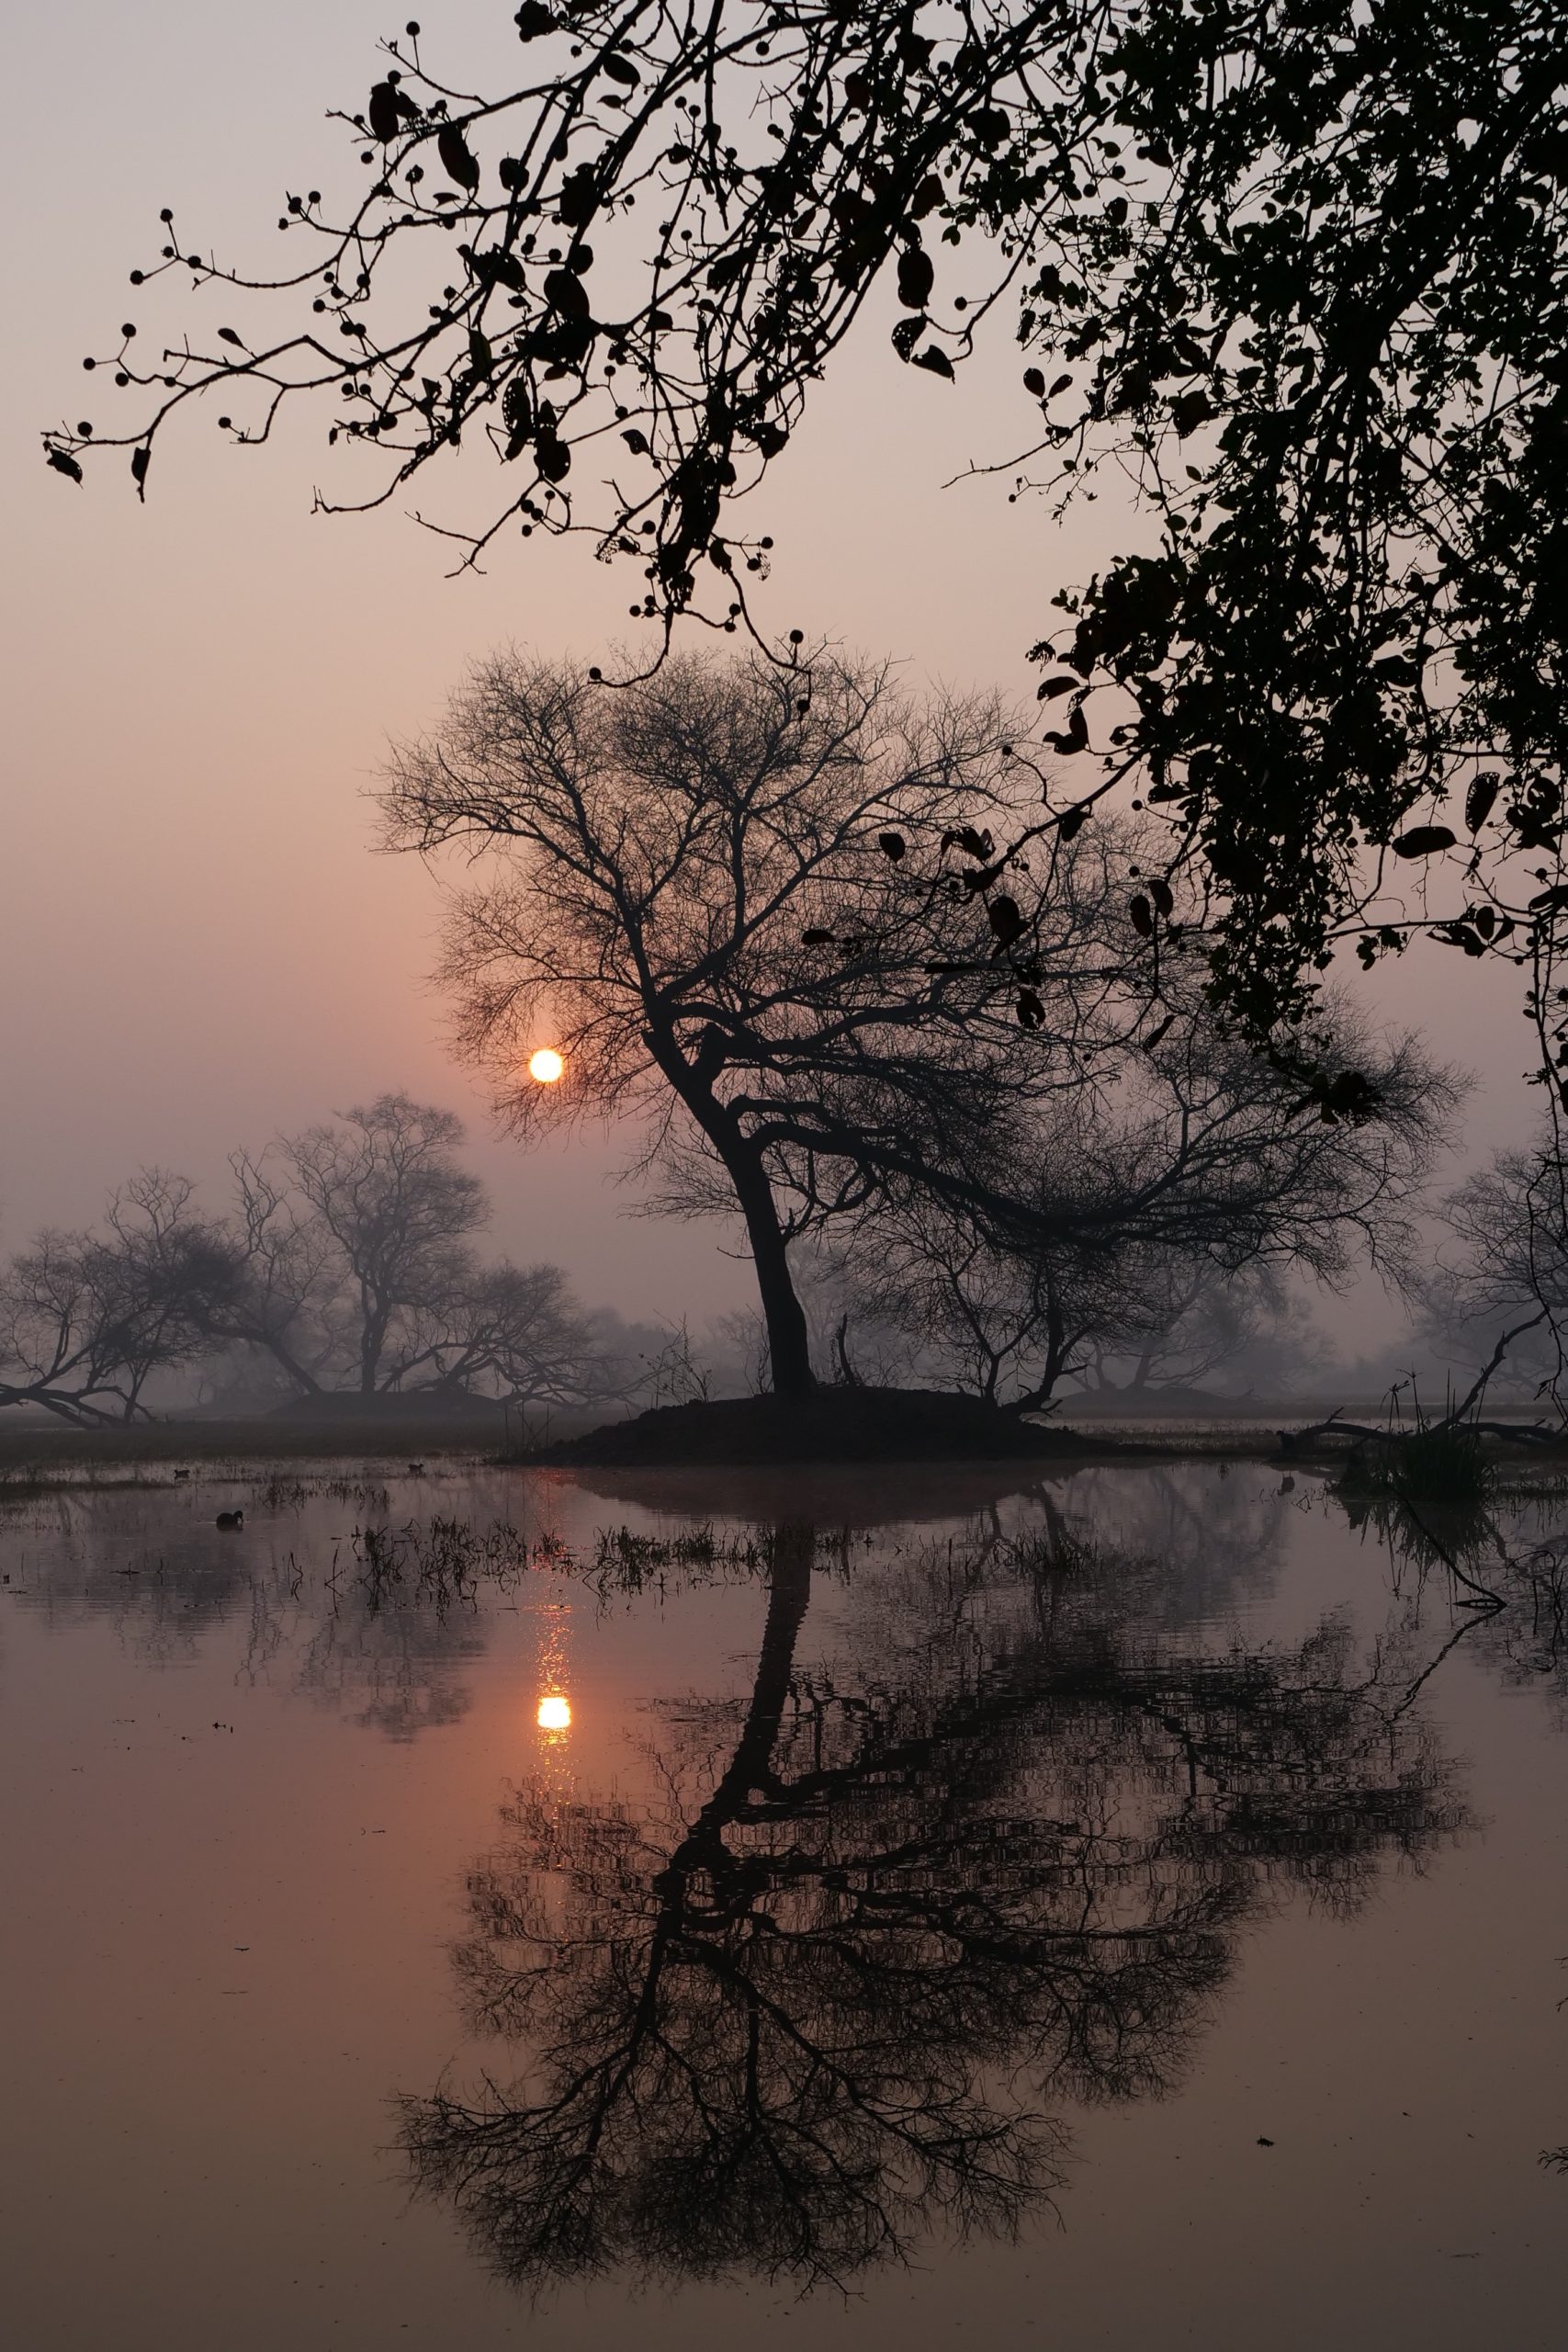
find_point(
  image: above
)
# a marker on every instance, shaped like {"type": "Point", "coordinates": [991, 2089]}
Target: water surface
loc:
{"type": "Point", "coordinates": [908, 1906]}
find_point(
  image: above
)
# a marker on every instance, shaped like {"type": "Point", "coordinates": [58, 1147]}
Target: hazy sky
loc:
{"type": "Point", "coordinates": [198, 947]}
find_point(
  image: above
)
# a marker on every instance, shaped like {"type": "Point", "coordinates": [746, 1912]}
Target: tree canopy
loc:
{"type": "Point", "coordinates": [1296, 266]}
{"type": "Point", "coordinates": [789, 940]}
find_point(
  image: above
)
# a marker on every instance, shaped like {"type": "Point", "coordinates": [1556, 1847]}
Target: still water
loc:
{"type": "Point", "coordinates": [898, 1908]}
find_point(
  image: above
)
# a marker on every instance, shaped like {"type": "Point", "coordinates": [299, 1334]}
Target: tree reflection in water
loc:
{"type": "Point", "coordinates": [831, 1993]}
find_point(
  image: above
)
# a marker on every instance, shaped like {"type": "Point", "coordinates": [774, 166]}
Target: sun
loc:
{"type": "Point", "coordinates": [547, 1067]}
{"type": "Point", "coordinates": [555, 1711]}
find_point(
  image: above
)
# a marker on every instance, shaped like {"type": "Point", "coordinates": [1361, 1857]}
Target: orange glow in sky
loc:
{"type": "Point", "coordinates": [555, 1711]}
{"type": "Point", "coordinates": [545, 1065]}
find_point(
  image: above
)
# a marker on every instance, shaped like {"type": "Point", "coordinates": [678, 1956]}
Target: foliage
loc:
{"type": "Point", "coordinates": [1296, 265]}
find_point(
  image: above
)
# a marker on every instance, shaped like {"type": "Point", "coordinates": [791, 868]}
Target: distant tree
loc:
{"type": "Point", "coordinates": [1499, 1289]}
{"type": "Point", "coordinates": [88, 1319]}
{"type": "Point", "coordinates": [1198, 1321]}
{"type": "Point", "coordinates": [1296, 267]}
{"type": "Point", "coordinates": [1168, 1200]}
{"type": "Point", "coordinates": [384, 1189]}
{"type": "Point", "coordinates": [512, 1331]}
{"type": "Point", "coordinates": [291, 1305]}
{"type": "Point", "coordinates": [358, 1271]}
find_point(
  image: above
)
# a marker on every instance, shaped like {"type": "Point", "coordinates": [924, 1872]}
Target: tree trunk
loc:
{"type": "Point", "coordinates": [750, 1767]}
{"type": "Point", "coordinates": [789, 1345]}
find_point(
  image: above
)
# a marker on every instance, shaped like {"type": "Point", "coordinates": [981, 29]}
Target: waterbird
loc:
{"type": "Point", "coordinates": [181, 1473]}
{"type": "Point", "coordinates": [416, 1469]}
{"type": "Point", "coordinates": [231, 1519]}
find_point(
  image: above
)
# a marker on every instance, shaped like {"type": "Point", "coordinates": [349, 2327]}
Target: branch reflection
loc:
{"type": "Point", "coordinates": [829, 1993]}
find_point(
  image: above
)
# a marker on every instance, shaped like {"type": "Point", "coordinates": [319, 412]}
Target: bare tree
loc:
{"type": "Point", "coordinates": [1499, 1289]}
{"type": "Point", "coordinates": [512, 1331]}
{"type": "Point", "coordinates": [290, 1304]}
{"type": "Point", "coordinates": [86, 1319]}
{"type": "Point", "coordinates": [358, 1272]}
{"type": "Point", "coordinates": [1143, 1197]}
{"type": "Point", "coordinates": [706, 894]}
{"type": "Point", "coordinates": [1198, 1320]}
{"type": "Point", "coordinates": [392, 1210]}
{"type": "Point", "coordinates": [708, 898]}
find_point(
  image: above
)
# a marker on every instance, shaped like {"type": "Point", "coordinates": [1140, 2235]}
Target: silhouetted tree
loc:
{"type": "Point", "coordinates": [384, 1189]}
{"type": "Point", "coordinates": [676, 858]}
{"type": "Point", "coordinates": [1173, 1191]}
{"type": "Point", "coordinates": [357, 1262]}
{"type": "Point", "coordinates": [779, 927]}
{"type": "Point", "coordinates": [87, 1320]}
{"type": "Point", "coordinates": [826, 1995]}
{"type": "Point", "coordinates": [1499, 1288]}
{"type": "Point", "coordinates": [1297, 266]}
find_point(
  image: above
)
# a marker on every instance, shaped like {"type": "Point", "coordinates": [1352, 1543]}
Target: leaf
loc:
{"type": "Point", "coordinates": [384, 117]}
{"type": "Point", "coordinates": [456, 161]}
{"type": "Point", "coordinates": [140, 461]}
{"type": "Point", "coordinates": [904, 336]}
{"type": "Point", "coordinates": [553, 457]}
{"type": "Point", "coordinates": [635, 442]}
{"type": "Point", "coordinates": [1422, 840]}
{"type": "Point", "coordinates": [480, 353]}
{"type": "Point", "coordinates": [817, 939]}
{"type": "Point", "coordinates": [496, 267]}
{"type": "Point", "coordinates": [891, 845]}
{"type": "Point", "coordinates": [566, 292]}
{"type": "Point", "coordinates": [1072, 823]}
{"type": "Point", "coordinates": [227, 334]}
{"type": "Point", "coordinates": [1189, 411]}
{"type": "Point", "coordinates": [1031, 1010]}
{"type": "Point", "coordinates": [927, 196]}
{"type": "Point", "coordinates": [578, 198]}
{"type": "Point", "coordinates": [1055, 686]}
{"type": "Point", "coordinates": [965, 837]}
{"type": "Point", "coordinates": [1142, 916]}
{"type": "Point", "coordinates": [62, 462]}
{"type": "Point", "coordinates": [917, 273]}
{"type": "Point", "coordinates": [620, 69]}
{"type": "Point", "coordinates": [1033, 381]}
{"type": "Point", "coordinates": [1153, 1039]}
{"type": "Point", "coordinates": [1076, 739]}
{"type": "Point", "coordinates": [936, 360]}
{"type": "Point", "coordinates": [1165, 904]}
{"type": "Point", "coordinates": [1479, 799]}
{"type": "Point", "coordinates": [1006, 922]}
